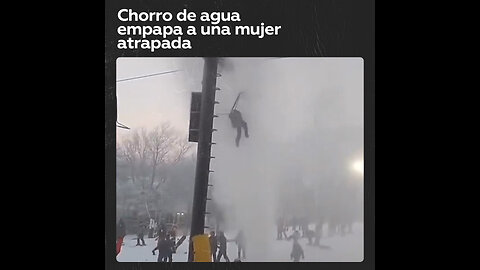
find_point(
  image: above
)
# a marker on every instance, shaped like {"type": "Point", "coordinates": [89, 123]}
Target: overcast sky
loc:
{"type": "Point", "coordinates": [302, 84]}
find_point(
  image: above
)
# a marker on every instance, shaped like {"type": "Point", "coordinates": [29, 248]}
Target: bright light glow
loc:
{"type": "Point", "coordinates": [358, 166]}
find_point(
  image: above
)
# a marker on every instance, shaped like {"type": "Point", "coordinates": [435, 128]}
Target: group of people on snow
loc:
{"type": "Point", "coordinates": [219, 243]}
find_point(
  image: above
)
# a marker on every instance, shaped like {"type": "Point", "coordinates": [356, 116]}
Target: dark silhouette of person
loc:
{"type": "Point", "coordinates": [297, 251]}
{"type": "Point", "coordinates": [140, 234]}
{"type": "Point", "coordinates": [238, 123]}
{"type": "Point", "coordinates": [310, 235]}
{"type": "Point", "coordinates": [170, 248]}
{"type": "Point", "coordinates": [222, 241]}
{"type": "Point", "coordinates": [240, 241]}
{"type": "Point", "coordinates": [162, 247]}
{"type": "Point", "coordinates": [161, 229]}
{"type": "Point", "coordinates": [173, 232]}
{"type": "Point", "coordinates": [121, 232]}
{"type": "Point", "coordinates": [318, 232]}
{"type": "Point", "coordinates": [213, 245]}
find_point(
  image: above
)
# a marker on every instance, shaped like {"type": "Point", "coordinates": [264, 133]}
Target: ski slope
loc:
{"type": "Point", "coordinates": [348, 248]}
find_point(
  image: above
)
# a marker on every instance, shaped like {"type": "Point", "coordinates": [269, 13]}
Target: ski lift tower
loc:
{"type": "Point", "coordinates": [203, 135]}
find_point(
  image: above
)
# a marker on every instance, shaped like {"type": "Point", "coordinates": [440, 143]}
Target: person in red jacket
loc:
{"type": "Point", "coordinates": [120, 235]}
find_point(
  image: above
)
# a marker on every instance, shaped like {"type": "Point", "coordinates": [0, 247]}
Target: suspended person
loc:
{"type": "Point", "coordinates": [121, 231]}
{"type": "Point", "coordinates": [238, 122]}
{"type": "Point", "coordinates": [297, 251]}
{"type": "Point", "coordinates": [213, 245]}
{"type": "Point", "coordinates": [222, 241]}
{"type": "Point", "coordinates": [240, 241]}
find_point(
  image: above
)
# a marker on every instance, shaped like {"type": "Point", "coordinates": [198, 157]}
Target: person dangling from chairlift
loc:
{"type": "Point", "coordinates": [238, 122]}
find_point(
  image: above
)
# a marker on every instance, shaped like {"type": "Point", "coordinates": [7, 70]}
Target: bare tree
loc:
{"type": "Point", "coordinates": [128, 153]}
{"type": "Point", "coordinates": [161, 142]}
{"type": "Point", "coordinates": [149, 156]}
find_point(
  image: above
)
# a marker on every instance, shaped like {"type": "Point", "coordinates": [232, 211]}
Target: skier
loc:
{"type": "Point", "coordinates": [297, 251]}
{"type": "Point", "coordinates": [213, 245]}
{"type": "Point", "coordinates": [240, 241]}
{"type": "Point", "coordinates": [140, 233]}
{"type": "Point", "coordinates": [120, 234]}
{"type": "Point", "coordinates": [222, 240]}
{"type": "Point", "coordinates": [238, 122]}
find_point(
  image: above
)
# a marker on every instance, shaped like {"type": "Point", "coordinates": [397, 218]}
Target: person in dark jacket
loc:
{"type": "Point", "coordinates": [295, 236]}
{"type": "Point", "coordinates": [140, 234]}
{"type": "Point", "coordinates": [213, 245]}
{"type": "Point", "coordinates": [222, 241]}
{"type": "Point", "coordinates": [297, 251]}
{"type": "Point", "coordinates": [162, 247]}
{"type": "Point", "coordinates": [170, 247]}
{"type": "Point", "coordinates": [121, 231]}
{"type": "Point", "coordinates": [238, 123]}
{"type": "Point", "coordinates": [240, 241]}
{"type": "Point", "coordinates": [310, 234]}
{"type": "Point", "coordinates": [318, 231]}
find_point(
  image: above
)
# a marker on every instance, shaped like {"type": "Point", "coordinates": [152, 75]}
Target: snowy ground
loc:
{"type": "Point", "coordinates": [348, 248]}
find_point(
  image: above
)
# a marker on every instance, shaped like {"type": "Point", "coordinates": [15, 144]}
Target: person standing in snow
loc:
{"type": "Point", "coordinates": [240, 241]}
{"type": "Point", "coordinates": [213, 245]}
{"type": "Point", "coordinates": [162, 247]}
{"type": "Point", "coordinates": [310, 234]}
{"type": "Point", "coordinates": [151, 228]}
{"type": "Point", "coordinates": [295, 236]}
{"type": "Point", "coordinates": [121, 231]}
{"type": "Point", "coordinates": [318, 231]}
{"type": "Point", "coordinates": [170, 247]}
{"type": "Point", "coordinates": [297, 251]}
{"type": "Point", "coordinates": [140, 234]}
{"type": "Point", "coordinates": [222, 241]}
